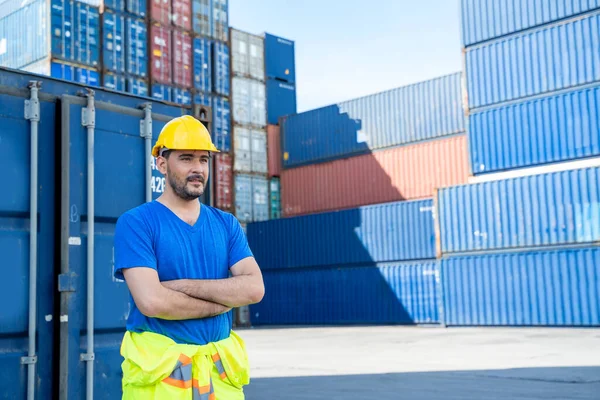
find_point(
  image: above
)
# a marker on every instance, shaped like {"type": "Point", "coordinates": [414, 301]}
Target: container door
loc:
{"type": "Point", "coordinates": [15, 247]}
{"type": "Point", "coordinates": [256, 55]}
{"type": "Point", "coordinates": [259, 151]}
{"type": "Point", "coordinates": [243, 198]}
{"type": "Point", "coordinates": [260, 199]}
{"type": "Point", "coordinates": [242, 149]}
{"type": "Point", "coordinates": [241, 100]}
{"type": "Point", "coordinates": [239, 53]}
{"type": "Point", "coordinates": [275, 193]}
{"type": "Point", "coordinates": [119, 161]}
{"type": "Point", "coordinates": [258, 104]}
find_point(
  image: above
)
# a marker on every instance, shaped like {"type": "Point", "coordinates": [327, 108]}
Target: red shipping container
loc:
{"type": "Point", "coordinates": [182, 14]}
{"type": "Point", "coordinates": [160, 11]}
{"type": "Point", "coordinates": [400, 173]}
{"type": "Point", "coordinates": [160, 54]}
{"type": "Point", "coordinates": [182, 59]}
{"type": "Point", "coordinates": [223, 181]}
{"type": "Point", "coordinates": [274, 150]}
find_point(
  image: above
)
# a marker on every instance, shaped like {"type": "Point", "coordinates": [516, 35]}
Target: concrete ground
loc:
{"type": "Point", "coordinates": [386, 363]}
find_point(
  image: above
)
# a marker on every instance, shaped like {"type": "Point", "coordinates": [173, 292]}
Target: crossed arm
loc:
{"type": "Point", "coordinates": [194, 298]}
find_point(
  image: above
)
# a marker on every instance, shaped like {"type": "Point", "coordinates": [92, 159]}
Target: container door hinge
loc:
{"type": "Point", "coordinates": [66, 283]}
{"type": "Point", "coordinates": [29, 360]}
{"type": "Point", "coordinates": [146, 123]}
{"type": "Point", "coordinates": [87, 357]}
{"type": "Point", "coordinates": [88, 114]}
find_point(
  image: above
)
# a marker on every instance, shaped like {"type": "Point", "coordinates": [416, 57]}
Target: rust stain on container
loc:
{"type": "Point", "coordinates": [400, 173]}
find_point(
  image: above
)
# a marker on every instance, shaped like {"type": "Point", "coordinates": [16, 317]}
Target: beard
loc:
{"type": "Point", "coordinates": [182, 189]}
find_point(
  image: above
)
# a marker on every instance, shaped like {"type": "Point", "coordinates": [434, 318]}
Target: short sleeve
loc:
{"type": "Point", "coordinates": [238, 243]}
{"type": "Point", "coordinates": [133, 245]}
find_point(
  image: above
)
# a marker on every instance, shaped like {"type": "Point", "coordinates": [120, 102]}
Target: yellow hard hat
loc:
{"type": "Point", "coordinates": [184, 133]}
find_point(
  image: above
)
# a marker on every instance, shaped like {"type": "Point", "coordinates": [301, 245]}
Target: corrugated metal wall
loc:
{"type": "Point", "coordinates": [24, 47]}
{"type": "Point", "coordinates": [385, 232]}
{"type": "Point", "coordinates": [220, 58]}
{"type": "Point", "coordinates": [383, 294]}
{"type": "Point", "coordinates": [281, 100]}
{"type": "Point", "coordinates": [247, 55]}
{"type": "Point", "coordinates": [540, 210]}
{"type": "Point", "coordinates": [202, 65]}
{"type": "Point", "coordinates": [137, 47]}
{"type": "Point", "coordinates": [249, 102]}
{"type": "Point", "coordinates": [221, 123]}
{"type": "Point", "coordinates": [275, 198]}
{"type": "Point", "coordinates": [113, 34]}
{"type": "Point", "coordinates": [422, 111]}
{"type": "Point", "coordinates": [400, 173]}
{"type": "Point", "coordinates": [550, 58]}
{"type": "Point", "coordinates": [559, 287]}
{"type": "Point", "coordinates": [542, 130]}
{"type": "Point", "coordinates": [487, 19]}
{"type": "Point", "coordinates": [280, 60]}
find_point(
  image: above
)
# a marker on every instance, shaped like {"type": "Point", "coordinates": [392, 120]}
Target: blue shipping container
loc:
{"type": "Point", "coordinates": [63, 29]}
{"type": "Point", "coordinates": [182, 96]}
{"type": "Point", "coordinates": [538, 131]}
{"type": "Point", "coordinates": [280, 61]}
{"type": "Point", "coordinates": [202, 65]}
{"type": "Point", "coordinates": [202, 17]}
{"type": "Point", "coordinates": [488, 19]}
{"type": "Point", "coordinates": [114, 82]}
{"type": "Point", "coordinates": [162, 92]}
{"type": "Point", "coordinates": [76, 74]}
{"type": "Point", "coordinates": [137, 7]}
{"type": "Point", "coordinates": [113, 52]}
{"type": "Point", "coordinates": [87, 31]}
{"type": "Point", "coordinates": [555, 57]}
{"type": "Point", "coordinates": [413, 113]}
{"type": "Point", "coordinates": [281, 100]}
{"type": "Point", "coordinates": [540, 210]}
{"type": "Point", "coordinates": [387, 232]}
{"type": "Point", "coordinates": [137, 47]}
{"type": "Point", "coordinates": [559, 287]}
{"type": "Point", "coordinates": [220, 58]}
{"type": "Point", "coordinates": [116, 5]}
{"type": "Point", "coordinates": [22, 47]}
{"type": "Point", "coordinates": [221, 123]}
{"type": "Point", "coordinates": [137, 86]}
{"type": "Point", "coordinates": [203, 99]}
{"type": "Point", "coordinates": [381, 294]}
{"type": "Point", "coordinates": [220, 20]}
{"type": "Point", "coordinates": [120, 186]}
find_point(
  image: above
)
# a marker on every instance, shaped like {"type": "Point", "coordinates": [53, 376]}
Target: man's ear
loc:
{"type": "Point", "coordinates": [161, 165]}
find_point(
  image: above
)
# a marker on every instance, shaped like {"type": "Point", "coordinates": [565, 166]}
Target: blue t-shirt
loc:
{"type": "Point", "coordinates": [151, 235]}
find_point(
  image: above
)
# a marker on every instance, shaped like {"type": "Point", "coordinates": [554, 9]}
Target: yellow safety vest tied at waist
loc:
{"type": "Point", "coordinates": [156, 367]}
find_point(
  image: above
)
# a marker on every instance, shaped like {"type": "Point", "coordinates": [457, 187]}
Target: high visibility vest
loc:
{"type": "Point", "coordinates": [157, 368]}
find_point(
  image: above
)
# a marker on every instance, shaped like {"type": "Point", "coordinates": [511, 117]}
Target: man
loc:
{"type": "Point", "coordinates": [176, 256]}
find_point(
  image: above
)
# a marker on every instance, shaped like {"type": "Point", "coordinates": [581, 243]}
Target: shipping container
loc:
{"type": "Point", "coordinates": [258, 139]}
{"type": "Point", "coordinates": [162, 92]}
{"type": "Point", "coordinates": [280, 62]}
{"type": "Point", "coordinates": [220, 20]}
{"type": "Point", "coordinates": [409, 114]}
{"type": "Point", "coordinates": [137, 86]}
{"type": "Point", "coordinates": [87, 31]}
{"type": "Point", "coordinates": [540, 210]}
{"type": "Point", "coordinates": [557, 288]}
{"type": "Point", "coordinates": [64, 231]}
{"type": "Point", "coordinates": [394, 293]}
{"type": "Point", "coordinates": [160, 11]}
{"type": "Point", "coordinates": [114, 5]}
{"type": "Point", "coordinates": [137, 7]}
{"type": "Point", "coordinates": [242, 148]}
{"type": "Point", "coordinates": [220, 59]}
{"type": "Point", "coordinates": [114, 82]}
{"type": "Point", "coordinates": [202, 65]}
{"type": "Point", "coordinates": [273, 150]}
{"type": "Point", "coordinates": [400, 173]}
{"type": "Point", "coordinates": [205, 100]}
{"type": "Point", "coordinates": [137, 47]}
{"type": "Point", "coordinates": [160, 54]}
{"type": "Point", "coordinates": [181, 96]}
{"type": "Point", "coordinates": [182, 14]}
{"type": "Point", "coordinates": [113, 52]}
{"type": "Point", "coordinates": [539, 131]}
{"type": "Point", "coordinates": [251, 198]}
{"type": "Point", "coordinates": [247, 55]}
{"type": "Point", "coordinates": [224, 182]}
{"type": "Point", "coordinates": [275, 198]}
{"type": "Point", "coordinates": [182, 59]}
{"type": "Point", "coordinates": [483, 20]}
{"type": "Point", "coordinates": [72, 73]}
{"type": "Point", "coordinates": [281, 100]}
{"type": "Point", "coordinates": [221, 123]}
{"type": "Point", "coordinates": [202, 17]}
{"type": "Point", "coordinates": [554, 57]}
{"type": "Point", "coordinates": [399, 231]}
{"type": "Point", "coordinates": [249, 102]}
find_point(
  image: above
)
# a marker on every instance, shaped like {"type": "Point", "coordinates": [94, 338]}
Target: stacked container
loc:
{"type": "Point", "coordinates": [125, 46]}
{"type": "Point", "coordinates": [58, 38]}
{"type": "Point", "coordinates": [249, 127]}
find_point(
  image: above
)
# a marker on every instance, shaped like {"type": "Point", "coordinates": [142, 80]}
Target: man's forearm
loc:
{"type": "Point", "coordinates": [236, 291]}
{"type": "Point", "coordinates": [175, 305]}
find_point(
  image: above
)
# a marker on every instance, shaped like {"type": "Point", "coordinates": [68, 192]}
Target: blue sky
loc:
{"type": "Point", "coordinates": [350, 48]}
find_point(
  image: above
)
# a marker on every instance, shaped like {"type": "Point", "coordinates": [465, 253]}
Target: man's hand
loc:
{"type": "Point", "coordinates": [244, 287]}
{"type": "Point", "coordinates": [157, 301]}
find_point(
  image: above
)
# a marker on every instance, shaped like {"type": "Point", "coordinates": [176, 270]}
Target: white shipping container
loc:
{"type": "Point", "coordinates": [247, 55]}
{"type": "Point", "coordinates": [249, 102]}
{"type": "Point", "coordinates": [251, 198]}
{"type": "Point", "coordinates": [259, 151]}
{"type": "Point", "coordinates": [242, 149]}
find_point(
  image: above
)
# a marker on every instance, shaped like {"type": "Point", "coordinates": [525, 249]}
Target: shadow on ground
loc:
{"type": "Point", "coordinates": [515, 384]}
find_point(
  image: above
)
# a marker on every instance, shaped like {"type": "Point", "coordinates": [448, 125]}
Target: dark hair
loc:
{"type": "Point", "coordinates": [166, 154]}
